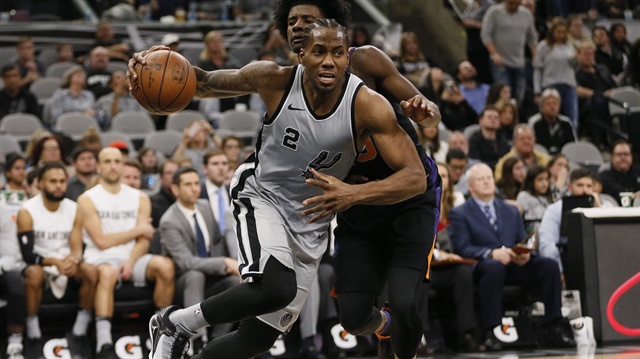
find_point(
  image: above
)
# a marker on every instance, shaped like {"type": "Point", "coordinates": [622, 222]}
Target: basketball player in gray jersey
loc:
{"type": "Point", "coordinates": [318, 118]}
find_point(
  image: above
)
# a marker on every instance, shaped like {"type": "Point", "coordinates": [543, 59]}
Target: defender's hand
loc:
{"type": "Point", "coordinates": [338, 196]}
{"type": "Point", "coordinates": [418, 108]}
{"type": "Point", "coordinates": [138, 58]}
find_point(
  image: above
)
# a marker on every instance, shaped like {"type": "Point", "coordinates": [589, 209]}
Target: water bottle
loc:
{"type": "Point", "coordinates": [224, 11]}
{"type": "Point", "coordinates": [192, 15]}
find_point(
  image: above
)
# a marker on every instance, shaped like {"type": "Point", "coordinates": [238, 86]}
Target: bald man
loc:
{"type": "Point", "coordinates": [117, 232]}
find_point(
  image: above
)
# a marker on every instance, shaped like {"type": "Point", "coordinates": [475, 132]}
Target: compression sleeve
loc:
{"type": "Point", "coordinates": [26, 241]}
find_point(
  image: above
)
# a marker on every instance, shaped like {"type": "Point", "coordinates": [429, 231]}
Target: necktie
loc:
{"type": "Point", "coordinates": [201, 247]}
{"type": "Point", "coordinates": [492, 220]}
{"type": "Point", "coordinates": [222, 208]}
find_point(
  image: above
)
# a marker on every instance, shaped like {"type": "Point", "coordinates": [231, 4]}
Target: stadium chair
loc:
{"type": "Point", "coordinates": [540, 148]}
{"type": "Point", "coordinates": [44, 88]}
{"type": "Point", "coordinates": [20, 125]}
{"type": "Point", "coordinates": [582, 152]}
{"type": "Point", "coordinates": [117, 66]}
{"type": "Point", "coordinates": [48, 56]}
{"type": "Point", "coordinates": [470, 130]}
{"type": "Point", "coordinates": [180, 120]}
{"type": "Point", "coordinates": [46, 111]}
{"type": "Point", "coordinates": [135, 124]}
{"type": "Point", "coordinates": [244, 124]}
{"type": "Point", "coordinates": [9, 55]}
{"type": "Point", "coordinates": [8, 144]}
{"type": "Point", "coordinates": [107, 137]}
{"type": "Point", "coordinates": [58, 69]}
{"type": "Point", "coordinates": [163, 141]}
{"type": "Point", "coordinates": [627, 94]}
{"type": "Point", "coordinates": [74, 124]}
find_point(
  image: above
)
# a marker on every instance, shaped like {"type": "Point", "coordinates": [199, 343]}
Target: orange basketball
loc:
{"type": "Point", "coordinates": [166, 84]}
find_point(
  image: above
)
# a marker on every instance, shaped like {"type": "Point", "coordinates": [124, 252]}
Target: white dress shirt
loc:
{"type": "Point", "coordinates": [188, 213]}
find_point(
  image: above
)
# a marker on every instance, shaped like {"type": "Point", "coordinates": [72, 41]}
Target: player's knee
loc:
{"type": "Point", "coordinates": [107, 275]}
{"type": "Point", "coordinates": [34, 276]}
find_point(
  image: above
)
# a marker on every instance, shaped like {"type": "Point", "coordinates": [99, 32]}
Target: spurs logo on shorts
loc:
{"type": "Point", "coordinates": [286, 319]}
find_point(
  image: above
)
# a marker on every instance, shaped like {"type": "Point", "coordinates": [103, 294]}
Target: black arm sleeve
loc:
{"type": "Point", "coordinates": [26, 241]}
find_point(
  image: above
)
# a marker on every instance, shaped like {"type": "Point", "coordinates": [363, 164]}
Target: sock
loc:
{"type": "Point", "coordinates": [386, 328]}
{"type": "Point", "coordinates": [189, 319]}
{"type": "Point", "coordinates": [15, 338]}
{"type": "Point", "coordinates": [33, 327]}
{"type": "Point", "coordinates": [103, 332]}
{"type": "Point", "coordinates": [82, 322]}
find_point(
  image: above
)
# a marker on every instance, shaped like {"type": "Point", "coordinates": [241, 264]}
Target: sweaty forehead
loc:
{"type": "Point", "coordinates": [327, 37]}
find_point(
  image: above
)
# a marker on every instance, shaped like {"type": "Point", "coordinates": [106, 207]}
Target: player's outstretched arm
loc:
{"type": "Point", "coordinates": [375, 117]}
{"type": "Point", "coordinates": [369, 60]}
{"type": "Point", "coordinates": [260, 76]}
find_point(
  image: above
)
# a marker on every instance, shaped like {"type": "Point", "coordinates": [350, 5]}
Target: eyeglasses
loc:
{"type": "Point", "coordinates": [622, 154]}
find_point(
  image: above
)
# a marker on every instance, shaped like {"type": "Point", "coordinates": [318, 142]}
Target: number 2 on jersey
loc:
{"type": "Point", "coordinates": [291, 138]}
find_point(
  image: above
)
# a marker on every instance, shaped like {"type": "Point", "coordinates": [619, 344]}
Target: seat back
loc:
{"type": "Point", "coordinates": [627, 94]}
{"type": "Point", "coordinates": [163, 141]}
{"type": "Point", "coordinates": [136, 124]}
{"type": "Point", "coordinates": [56, 70]}
{"type": "Point", "coordinates": [9, 144]}
{"type": "Point", "coordinates": [180, 120]}
{"type": "Point", "coordinates": [242, 123]}
{"type": "Point", "coordinates": [470, 130]}
{"type": "Point", "coordinates": [582, 152]}
{"type": "Point", "coordinates": [20, 125]}
{"type": "Point", "coordinates": [74, 124]}
{"type": "Point", "coordinates": [44, 88]}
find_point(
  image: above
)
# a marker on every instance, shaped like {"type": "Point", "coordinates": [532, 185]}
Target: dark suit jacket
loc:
{"type": "Point", "coordinates": [472, 234]}
{"type": "Point", "coordinates": [179, 242]}
{"type": "Point", "coordinates": [160, 203]}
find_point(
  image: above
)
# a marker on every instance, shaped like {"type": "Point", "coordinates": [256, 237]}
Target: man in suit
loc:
{"type": "Point", "coordinates": [485, 228]}
{"type": "Point", "coordinates": [162, 200]}
{"type": "Point", "coordinates": [213, 189]}
{"type": "Point", "coordinates": [189, 235]}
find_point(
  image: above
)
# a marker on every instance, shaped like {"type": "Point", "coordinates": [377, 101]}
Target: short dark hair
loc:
{"type": "Point", "coordinates": [31, 176]}
{"type": "Point", "coordinates": [489, 108]}
{"type": "Point", "coordinates": [8, 67]}
{"type": "Point", "coordinates": [10, 159]}
{"type": "Point", "coordinates": [208, 155]}
{"type": "Point", "coordinates": [166, 162]}
{"type": "Point", "coordinates": [323, 24]}
{"type": "Point", "coordinates": [179, 172]}
{"type": "Point", "coordinates": [620, 142]}
{"type": "Point", "coordinates": [80, 150]}
{"type": "Point", "coordinates": [134, 164]}
{"type": "Point", "coordinates": [530, 179]}
{"type": "Point", "coordinates": [339, 10]}
{"type": "Point", "coordinates": [50, 166]}
{"type": "Point", "coordinates": [455, 153]}
{"type": "Point", "coordinates": [579, 173]}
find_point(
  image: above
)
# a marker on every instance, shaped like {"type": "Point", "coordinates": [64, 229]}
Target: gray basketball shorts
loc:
{"type": "Point", "coordinates": [263, 232]}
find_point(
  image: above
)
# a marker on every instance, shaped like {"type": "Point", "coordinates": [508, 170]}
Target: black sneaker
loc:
{"type": "Point", "coordinates": [558, 335]}
{"type": "Point", "coordinates": [167, 342]}
{"type": "Point", "coordinates": [491, 343]}
{"type": "Point", "coordinates": [107, 351]}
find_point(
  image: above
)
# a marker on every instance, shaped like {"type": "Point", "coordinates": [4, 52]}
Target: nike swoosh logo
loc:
{"type": "Point", "coordinates": [290, 107]}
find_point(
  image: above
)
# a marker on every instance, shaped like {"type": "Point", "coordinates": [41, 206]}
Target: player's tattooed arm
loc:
{"type": "Point", "coordinates": [228, 83]}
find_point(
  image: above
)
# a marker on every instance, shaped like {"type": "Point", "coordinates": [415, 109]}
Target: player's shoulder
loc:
{"type": "Point", "coordinates": [368, 60]}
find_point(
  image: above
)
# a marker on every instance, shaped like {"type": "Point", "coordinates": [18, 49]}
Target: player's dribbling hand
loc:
{"type": "Point", "coordinates": [138, 58]}
{"type": "Point", "coordinates": [338, 196]}
{"type": "Point", "coordinates": [419, 109]}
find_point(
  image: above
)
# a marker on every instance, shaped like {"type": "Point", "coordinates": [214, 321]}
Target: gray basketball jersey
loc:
{"type": "Point", "coordinates": [295, 140]}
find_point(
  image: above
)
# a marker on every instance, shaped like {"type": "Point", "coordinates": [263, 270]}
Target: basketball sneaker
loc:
{"type": "Point", "coordinates": [168, 340]}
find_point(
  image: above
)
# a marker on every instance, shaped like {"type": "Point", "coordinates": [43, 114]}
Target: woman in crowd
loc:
{"type": "Point", "coordinates": [613, 58]}
{"type": "Point", "coordinates": [508, 121]}
{"type": "Point", "coordinates": [499, 94]}
{"type": "Point", "coordinates": [148, 159]}
{"type": "Point", "coordinates": [116, 101]}
{"type": "Point", "coordinates": [619, 38]}
{"type": "Point", "coordinates": [430, 139]}
{"type": "Point", "coordinates": [554, 67]}
{"type": "Point", "coordinates": [48, 149]}
{"type": "Point", "coordinates": [72, 95]}
{"type": "Point", "coordinates": [513, 174]}
{"type": "Point", "coordinates": [411, 61]}
{"type": "Point", "coordinates": [214, 56]}
{"type": "Point", "coordinates": [535, 197]}
{"type": "Point", "coordinates": [197, 139]}
{"type": "Point", "coordinates": [558, 167]}
{"type": "Point", "coordinates": [15, 171]}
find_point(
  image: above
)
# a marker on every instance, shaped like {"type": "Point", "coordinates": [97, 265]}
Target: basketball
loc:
{"type": "Point", "coordinates": [166, 84]}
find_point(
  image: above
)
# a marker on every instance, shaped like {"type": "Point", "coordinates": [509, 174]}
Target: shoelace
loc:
{"type": "Point", "coordinates": [180, 346]}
